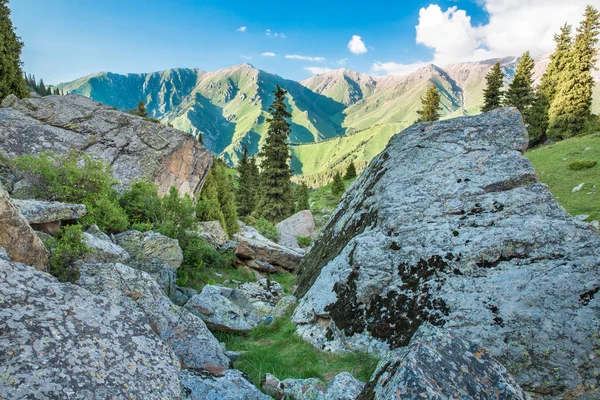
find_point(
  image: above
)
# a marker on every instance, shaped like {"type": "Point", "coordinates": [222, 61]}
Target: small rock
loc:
{"type": "Point", "coordinates": [344, 386]}
{"type": "Point", "coordinates": [98, 234]}
{"type": "Point", "coordinates": [261, 266]}
{"type": "Point", "coordinates": [582, 217]}
{"type": "Point", "coordinates": [577, 188]}
{"type": "Point", "coordinates": [103, 251]}
{"type": "Point", "coordinates": [301, 224]}
{"type": "Point", "coordinates": [23, 189]}
{"type": "Point", "coordinates": [285, 306]}
{"type": "Point", "coordinates": [213, 232]}
{"type": "Point", "coordinates": [230, 384]}
{"type": "Point", "coordinates": [234, 355]}
{"type": "Point", "coordinates": [46, 216]}
{"type": "Point", "coordinates": [596, 224]}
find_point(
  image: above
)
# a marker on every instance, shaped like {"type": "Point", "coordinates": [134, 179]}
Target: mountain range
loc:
{"type": "Point", "coordinates": [337, 116]}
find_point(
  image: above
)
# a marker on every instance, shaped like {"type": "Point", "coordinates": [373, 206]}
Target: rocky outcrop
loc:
{"type": "Point", "coordinates": [60, 341]}
{"type": "Point", "coordinates": [301, 224]}
{"type": "Point", "coordinates": [438, 365]}
{"type": "Point", "coordinates": [342, 387]}
{"type": "Point", "coordinates": [253, 246]}
{"type": "Point", "coordinates": [46, 216]}
{"type": "Point", "coordinates": [16, 236]}
{"type": "Point", "coordinates": [449, 225]}
{"type": "Point", "coordinates": [284, 306]}
{"type": "Point", "coordinates": [224, 309]}
{"type": "Point", "coordinates": [156, 254]}
{"type": "Point", "coordinates": [135, 290]}
{"type": "Point", "coordinates": [133, 146]}
{"type": "Point", "coordinates": [228, 385]}
{"type": "Point", "coordinates": [213, 232]}
{"type": "Point", "coordinates": [101, 250]}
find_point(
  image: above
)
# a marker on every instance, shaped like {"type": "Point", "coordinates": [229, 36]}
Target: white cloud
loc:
{"type": "Point", "coordinates": [392, 68]}
{"type": "Point", "coordinates": [342, 61]}
{"type": "Point", "coordinates": [305, 58]}
{"type": "Point", "coordinates": [356, 45]}
{"type": "Point", "coordinates": [513, 27]}
{"type": "Point", "coordinates": [318, 70]}
{"type": "Point", "coordinates": [269, 32]}
{"type": "Point", "coordinates": [268, 54]}
{"type": "Point", "coordinates": [241, 29]}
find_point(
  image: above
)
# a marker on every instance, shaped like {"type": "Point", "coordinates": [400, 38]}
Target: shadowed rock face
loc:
{"type": "Point", "coordinates": [449, 225]}
{"type": "Point", "coordinates": [136, 148]}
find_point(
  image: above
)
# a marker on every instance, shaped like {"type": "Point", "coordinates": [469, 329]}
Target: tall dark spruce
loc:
{"type": "Point", "coordinates": [11, 74]}
{"type": "Point", "coordinates": [492, 94]}
{"type": "Point", "coordinates": [430, 110]}
{"type": "Point", "coordinates": [248, 182]}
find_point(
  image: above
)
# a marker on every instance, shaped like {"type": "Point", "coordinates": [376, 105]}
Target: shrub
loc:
{"type": "Point", "coordinates": [582, 164]}
{"type": "Point", "coordinates": [305, 241]}
{"type": "Point", "coordinates": [142, 203]}
{"type": "Point", "coordinates": [177, 214]}
{"type": "Point", "coordinates": [65, 249]}
{"type": "Point", "coordinates": [267, 229]}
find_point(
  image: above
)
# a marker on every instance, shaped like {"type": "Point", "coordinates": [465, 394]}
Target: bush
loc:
{"type": "Point", "coordinates": [142, 203]}
{"type": "Point", "coordinates": [305, 241]}
{"type": "Point", "coordinates": [65, 249]}
{"type": "Point", "coordinates": [267, 229]}
{"type": "Point", "coordinates": [582, 164]}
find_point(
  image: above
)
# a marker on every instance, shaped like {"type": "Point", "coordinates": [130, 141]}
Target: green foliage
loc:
{"type": "Point", "coordinates": [142, 226]}
{"type": "Point", "coordinates": [267, 229]}
{"type": "Point", "coordinates": [142, 203]}
{"type": "Point", "coordinates": [248, 184]}
{"type": "Point", "coordinates": [177, 215]}
{"type": "Point", "coordinates": [11, 74]}
{"type": "Point", "coordinates": [582, 164]}
{"type": "Point", "coordinates": [571, 106]}
{"type": "Point", "coordinates": [38, 87]}
{"type": "Point", "coordinates": [217, 199]}
{"type": "Point", "coordinates": [337, 185]}
{"type": "Point", "coordinates": [520, 92]}
{"type": "Point", "coordinates": [140, 110]}
{"type": "Point", "coordinates": [537, 118]}
{"type": "Point", "coordinates": [305, 241]}
{"type": "Point", "coordinates": [75, 178]}
{"type": "Point", "coordinates": [301, 196]}
{"type": "Point", "coordinates": [276, 202]}
{"type": "Point", "coordinates": [65, 249]}
{"type": "Point", "coordinates": [276, 349]}
{"type": "Point", "coordinates": [430, 105]}
{"type": "Point", "coordinates": [492, 94]}
{"type": "Point", "coordinates": [558, 61]}
{"type": "Point", "coordinates": [350, 171]}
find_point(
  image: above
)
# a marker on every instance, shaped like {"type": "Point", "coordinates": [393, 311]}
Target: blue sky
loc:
{"type": "Point", "coordinates": [67, 39]}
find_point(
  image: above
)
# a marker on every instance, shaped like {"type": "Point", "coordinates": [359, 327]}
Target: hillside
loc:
{"type": "Point", "coordinates": [337, 116]}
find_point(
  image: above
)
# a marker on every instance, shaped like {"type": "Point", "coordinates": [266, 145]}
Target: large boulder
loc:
{"type": "Point", "coordinates": [46, 216]}
{"type": "Point", "coordinates": [16, 236]}
{"type": "Point", "coordinates": [301, 224]}
{"type": "Point", "coordinates": [60, 341]}
{"type": "Point", "coordinates": [133, 146]}
{"type": "Point", "coordinates": [101, 250]}
{"type": "Point", "coordinates": [342, 387]}
{"type": "Point", "coordinates": [437, 365]}
{"type": "Point", "coordinates": [213, 232]}
{"type": "Point", "coordinates": [229, 385]}
{"type": "Point", "coordinates": [449, 225]}
{"type": "Point", "coordinates": [135, 290]}
{"type": "Point", "coordinates": [156, 254]}
{"type": "Point", "coordinates": [253, 246]}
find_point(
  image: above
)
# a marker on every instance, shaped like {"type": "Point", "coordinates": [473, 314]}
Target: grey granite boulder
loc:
{"type": "Point", "coordinates": [135, 290]}
{"type": "Point", "coordinates": [46, 216]}
{"type": "Point", "coordinates": [228, 385]}
{"type": "Point", "coordinates": [301, 224]}
{"type": "Point", "coordinates": [284, 306]}
{"type": "Point", "coordinates": [103, 251]}
{"type": "Point", "coordinates": [213, 232]}
{"type": "Point", "coordinates": [59, 341]}
{"type": "Point", "coordinates": [437, 365]}
{"type": "Point", "coordinates": [133, 146]}
{"type": "Point", "coordinates": [16, 236]}
{"type": "Point", "coordinates": [156, 254]}
{"type": "Point", "coordinates": [224, 309]}
{"type": "Point", "coordinates": [342, 387]}
{"type": "Point", "coordinates": [449, 225]}
{"type": "Point", "coordinates": [253, 246]}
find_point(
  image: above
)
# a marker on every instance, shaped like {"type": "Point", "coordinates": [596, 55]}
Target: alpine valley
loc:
{"type": "Point", "coordinates": [337, 117]}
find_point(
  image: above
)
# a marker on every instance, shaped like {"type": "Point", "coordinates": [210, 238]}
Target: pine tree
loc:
{"type": "Point", "coordinates": [11, 74]}
{"type": "Point", "coordinates": [492, 94]}
{"type": "Point", "coordinates": [141, 109]}
{"type": "Point", "coordinates": [276, 201]}
{"type": "Point", "coordinates": [571, 106]}
{"type": "Point", "coordinates": [42, 88]}
{"type": "Point", "coordinates": [247, 184]}
{"type": "Point", "coordinates": [337, 186]}
{"type": "Point", "coordinates": [558, 61]}
{"type": "Point", "coordinates": [350, 171]}
{"type": "Point", "coordinates": [430, 105]}
{"type": "Point", "coordinates": [301, 194]}
{"type": "Point", "coordinates": [520, 92]}
{"type": "Point", "coordinates": [537, 118]}
{"type": "Point", "coordinates": [208, 207]}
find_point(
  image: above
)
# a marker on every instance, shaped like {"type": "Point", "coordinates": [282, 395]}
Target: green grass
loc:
{"type": "Point", "coordinates": [227, 276]}
{"type": "Point", "coordinates": [323, 203]}
{"type": "Point", "coordinates": [277, 350]}
{"type": "Point", "coordinates": [552, 166]}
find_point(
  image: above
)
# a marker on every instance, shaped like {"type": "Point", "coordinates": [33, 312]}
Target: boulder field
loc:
{"type": "Point", "coordinates": [449, 226]}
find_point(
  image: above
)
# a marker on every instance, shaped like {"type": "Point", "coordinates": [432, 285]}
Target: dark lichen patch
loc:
{"type": "Point", "coordinates": [493, 264]}
{"type": "Point", "coordinates": [513, 183]}
{"type": "Point", "coordinates": [496, 315]}
{"type": "Point", "coordinates": [368, 392]}
{"type": "Point", "coordinates": [586, 297]}
{"type": "Point", "coordinates": [347, 312]}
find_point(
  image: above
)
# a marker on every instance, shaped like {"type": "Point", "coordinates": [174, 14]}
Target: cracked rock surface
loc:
{"type": "Point", "coordinates": [133, 146]}
{"type": "Point", "coordinates": [449, 225]}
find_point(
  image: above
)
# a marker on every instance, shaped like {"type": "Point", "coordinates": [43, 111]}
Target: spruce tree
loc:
{"type": "Point", "coordinates": [141, 109]}
{"type": "Point", "coordinates": [492, 94]}
{"type": "Point", "coordinates": [537, 118]}
{"type": "Point", "coordinates": [558, 62]}
{"type": "Point", "coordinates": [430, 105]}
{"type": "Point", "coordinates": [276, 201]}
{"type": "Point", "coordinates": [42, 88]}
{"type": "Point", "coordinates": [337, 186]}
{"type": "Point", "coordinates": [520, 92]}
{"type": "Point", "coordinates": [247, 184]}
{"type": "Point", "coordinates": [301, 194]}
{"type": "Point", "coordinates": [571, 106]}
{"type": "Point", "coordinates": [350, 171]}
{"type": "Point", "coordinates": [11, 74]}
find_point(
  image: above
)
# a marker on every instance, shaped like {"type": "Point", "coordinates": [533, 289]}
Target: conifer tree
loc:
{"type": "Point", "coordinates": [571, 106]}
{"type": "Point", "coordinates": [430, 105]}
{"type": "Point", "coordinates": [301, 194]}
{"type": "Point", "coordinates": [141, 109]}
{"type": "Point", "coordinates": [492, 94]}
{"type": "Point", "coordinates": [247, 184]}
{"type": "Point", "coordinates": [520, 92]}
{"type": "Point", "coordinates": [337, 186]}
{"type": "Point", "coordinates": [350, 171]}
{"type": "Point", "coordinates": [42, 88]}
{"type": "Point", "coordinates": [11, 73]}
{"type": "Point", "coordinates": [558, 61]}
{"type": "Point", "coordinates": [276, 202]}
